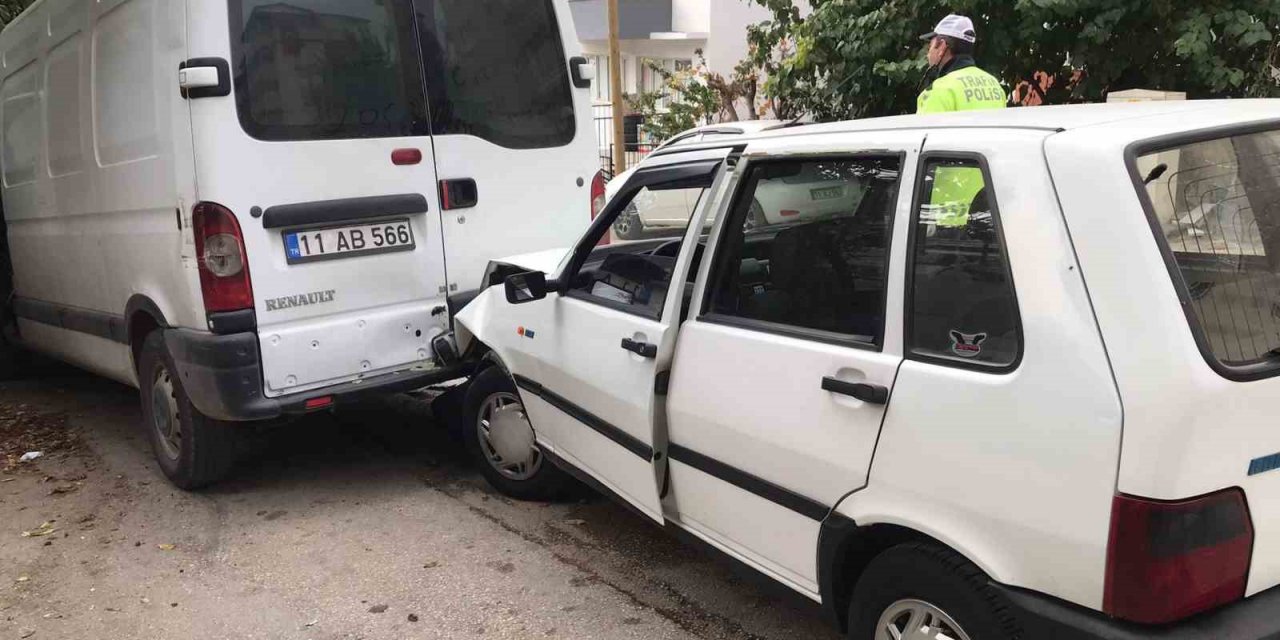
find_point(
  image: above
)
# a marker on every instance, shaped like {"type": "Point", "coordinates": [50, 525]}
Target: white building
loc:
{"type": "Point", "coordinates": [667, 32]}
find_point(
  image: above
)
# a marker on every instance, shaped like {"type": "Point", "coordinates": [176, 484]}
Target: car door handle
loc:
{"type": "Point", "coordinates": [870, 393]}
{"type": "Point", "coordinates": [642, 349]}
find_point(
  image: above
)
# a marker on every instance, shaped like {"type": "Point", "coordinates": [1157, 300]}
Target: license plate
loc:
{"type": "Point", "coordinates": [311, 245]}
{"type": "Point", "coordinates": [830, 193]}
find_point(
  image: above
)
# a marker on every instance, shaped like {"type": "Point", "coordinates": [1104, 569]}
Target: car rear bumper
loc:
{"type": "Point", "coordinates": [1051, 619]}
{"type": "Point", "coordinates": [222, 374]}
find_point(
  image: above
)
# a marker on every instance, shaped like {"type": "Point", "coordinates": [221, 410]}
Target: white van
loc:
{"type": "Point", "coordinates": [1022, 386]}
{"type": "Point", "coordinates": [257, 208]}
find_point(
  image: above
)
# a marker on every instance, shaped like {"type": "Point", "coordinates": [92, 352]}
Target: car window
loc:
{"type": "Point", "coordinates": [326, 69]}
{"type": "Point", "coordinates": [962, 307]}
{"type": "Point", "coordinates": [497, 71]}
{"type": "Point", "coordinates": [1216, 205]}
{"type": "Point", "coordinates": [633, 271]}
{"type": "Point", "coordinates": [807, 247]}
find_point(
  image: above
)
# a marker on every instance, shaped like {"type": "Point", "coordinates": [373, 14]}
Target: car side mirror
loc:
{"type": "Point", "coordinates": [526, 287]}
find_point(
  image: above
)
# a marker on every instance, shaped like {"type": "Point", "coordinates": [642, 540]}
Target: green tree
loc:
{"type": "Point", "coordinates": [860, 58]}
{"type": "Point", "coordinates": [9, 9]}
{"type": "Point", "coordinates": [693, 97]}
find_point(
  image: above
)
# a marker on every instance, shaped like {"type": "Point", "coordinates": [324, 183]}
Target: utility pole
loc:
{"type": "Point", "coordinates": [615, 91]}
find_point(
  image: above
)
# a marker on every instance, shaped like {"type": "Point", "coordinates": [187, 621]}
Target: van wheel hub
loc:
{"type": "Point", "coordinates": [506, 437]}
{"type": "Point", "coordinates": [917, 620]}
{"type": "Point", "coordinates": [164, 413]}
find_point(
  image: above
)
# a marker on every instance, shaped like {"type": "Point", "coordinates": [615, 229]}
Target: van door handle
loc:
{"type": "Point", "coordinates": [869, 393]}
{"type": "Point", "coordinates": [204, 78]}
{"type": "Point", "coordinates": [642, 349]}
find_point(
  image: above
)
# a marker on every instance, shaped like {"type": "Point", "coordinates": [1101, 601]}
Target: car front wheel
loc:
{"type": "Point", "coordinates": [500, 437]}
{"type": "Point", "coordinates": [922, 591]}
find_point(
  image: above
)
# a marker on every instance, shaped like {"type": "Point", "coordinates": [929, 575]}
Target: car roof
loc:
{"type": "Point", "coordinates": [1113, 121]}
{"type": "Point", "coordinates": [1051, 118]}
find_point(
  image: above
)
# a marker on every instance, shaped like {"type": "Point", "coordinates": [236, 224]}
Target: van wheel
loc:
{"type": "Point", "coordinates": [628, 226]}
{"type": "Point", "coordinates": [923, 590]}
{"type": "Point", "coordinates": [499, 436]}
{"type": "Point", "coordinates": [193, 451]}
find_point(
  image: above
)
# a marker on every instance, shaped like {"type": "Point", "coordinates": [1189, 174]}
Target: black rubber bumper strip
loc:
{"type": "Point", "coordinates": [95, 323]}
{"type": "Point", "coordinates": [618, 436]}
{"type": "Point", "coordinates": [331, 211]}
{"type": "Point", "coordinates": [763, 488]}
{"type": "Point", "coordinates": [1047, 618]}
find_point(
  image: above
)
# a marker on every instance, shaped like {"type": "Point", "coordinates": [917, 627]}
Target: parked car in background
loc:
{"type": "Point", "coordinates": [254, 209]}
{"type": "Point", "coordinates": [656, 211]}
{"type": "Point", "coordinates": [1023, 386]}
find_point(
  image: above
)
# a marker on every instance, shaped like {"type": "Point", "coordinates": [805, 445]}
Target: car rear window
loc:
{"type": "Point", "coordinates": [497, 71]}
{"type": "Point", "coordinates": [1215, 205]}
{"type": "Point", "coordinates": [326, 69]}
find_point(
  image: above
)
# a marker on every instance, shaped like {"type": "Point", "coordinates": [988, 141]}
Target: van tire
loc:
{"type": "Point", "coordinates": [204, 450]}
{"type": "Point", "coordinates": [935, 575]}
{"type": "Point", "coordinates": [547, 481]}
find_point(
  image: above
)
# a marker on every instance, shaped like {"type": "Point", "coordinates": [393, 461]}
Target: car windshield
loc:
{"type": "Point", "coordinates": [1218, 206]}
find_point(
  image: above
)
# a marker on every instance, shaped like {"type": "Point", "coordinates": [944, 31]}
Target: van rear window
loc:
{"type": "Point", "coordinates": [326, 69]}
{"type": "Point", "coordinates": [497, 71]}
{"type": "Point", "coordinates": [1217, 205]}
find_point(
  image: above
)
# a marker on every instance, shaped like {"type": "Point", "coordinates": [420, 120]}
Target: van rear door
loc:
{"type": "Point", "coordinates": [508, 120]}
{"type": "Point", "coordinates": [322, 153]}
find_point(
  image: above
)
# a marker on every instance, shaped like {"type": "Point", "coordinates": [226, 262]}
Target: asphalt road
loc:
{"type": "Point", "coordinates": [369, 523]}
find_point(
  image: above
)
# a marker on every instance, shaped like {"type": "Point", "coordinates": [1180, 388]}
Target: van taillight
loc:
{"type": "Point", "coordinates": [224, 265]}
{"type": "Point", "coordinates": [597, 194]}
{"type": "Point", "coordinates": [1170, 560]}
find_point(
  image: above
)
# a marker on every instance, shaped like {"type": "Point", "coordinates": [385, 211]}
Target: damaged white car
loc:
{"type": "Point", "coordinates": [908, 404]}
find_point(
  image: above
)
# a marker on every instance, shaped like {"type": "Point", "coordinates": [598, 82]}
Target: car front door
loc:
{"type": "Point", "coordinates": [596, 346]}
{"type": "Point", "coordinates": [783, 374]}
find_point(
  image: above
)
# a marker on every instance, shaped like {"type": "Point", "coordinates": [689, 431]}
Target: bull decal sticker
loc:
{"type": "Point", "coordinates": [967, 345]}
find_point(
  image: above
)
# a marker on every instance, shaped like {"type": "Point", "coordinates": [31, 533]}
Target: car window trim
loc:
{"type": "Point", "coordinates": [909, 294]}
{"type": "Point", "coordinates": [639, 180]}
{"type": "Point", "coordinates": [1252, 371]}
{"type": "Point", "coordinates": [736, 212]}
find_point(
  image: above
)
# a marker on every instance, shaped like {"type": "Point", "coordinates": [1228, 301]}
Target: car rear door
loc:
{"type": "Point", "coordinates": [513, 134]}
{"type": "Point", "coordinates": [783, 374]}
{"type": "Point", "coordinates": [318, 143]}
{"type": "Point", "coordinates": [594, 354]}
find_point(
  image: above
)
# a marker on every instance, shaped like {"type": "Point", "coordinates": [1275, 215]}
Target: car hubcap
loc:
{"type": "Point", "coordinates": [164, 414]}
{"type": "Point", "coordinates": [506, 437]}
{"type": "Point", "coordinates": [917, 620]}
{"type": "Point", "coordinates": [623, 226]}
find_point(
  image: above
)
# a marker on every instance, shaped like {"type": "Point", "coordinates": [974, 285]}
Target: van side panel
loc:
{"type": "Point", "coordinates": [1016, 471]}
{"type": "Point", "coordinates": [97, 167]}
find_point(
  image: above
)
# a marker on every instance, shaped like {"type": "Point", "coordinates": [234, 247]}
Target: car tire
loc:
{"type": "Point", "coordinates": [628, 226]}
{"type": "Point", "coordinates": [193, 450]}
{"type": "Point", "coordinates": [928, 579]}
{"type": "Point", "coordinates": [492, 399]}
{"type": "Point", "coordinates": [755, 217]}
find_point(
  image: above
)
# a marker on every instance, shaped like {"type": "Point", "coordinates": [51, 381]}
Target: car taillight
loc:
{"type": "Point", "coordinates": [1167, 561]}
{"type": "Point", "coordinates": [597, 195]}
{"type": "Point", "coordinates": [224, 265]}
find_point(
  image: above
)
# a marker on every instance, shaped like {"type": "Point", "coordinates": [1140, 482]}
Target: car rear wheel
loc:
{"type": "Point", "coordinates": [922, 591]}
{"type": "Point", "coordinates": [500, 437]}
{"type": "Point", "coordinates": [193, 450]}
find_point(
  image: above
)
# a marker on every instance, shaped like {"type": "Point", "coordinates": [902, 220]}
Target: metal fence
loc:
{"type": "Point", "coordinates": [637, 144]}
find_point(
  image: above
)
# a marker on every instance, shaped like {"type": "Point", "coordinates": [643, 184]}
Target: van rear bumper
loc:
{"type": "Point", "coordinates": [223, 377]}
{"type": "Point", "coordinates": [1049, 618]}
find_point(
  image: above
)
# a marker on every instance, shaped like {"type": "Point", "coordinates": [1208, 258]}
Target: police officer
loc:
{"type": "Point", "coordinates": [954, 81]}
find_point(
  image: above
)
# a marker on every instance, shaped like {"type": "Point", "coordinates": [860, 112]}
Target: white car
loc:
{"type": "Point", "coordinates": [1053, 419]}
{"type": "Point", "coordinates": [657, 213]}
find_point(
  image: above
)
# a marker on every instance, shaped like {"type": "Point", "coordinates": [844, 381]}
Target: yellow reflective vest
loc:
{"type": "Point", "coordinates": [967, 88]}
